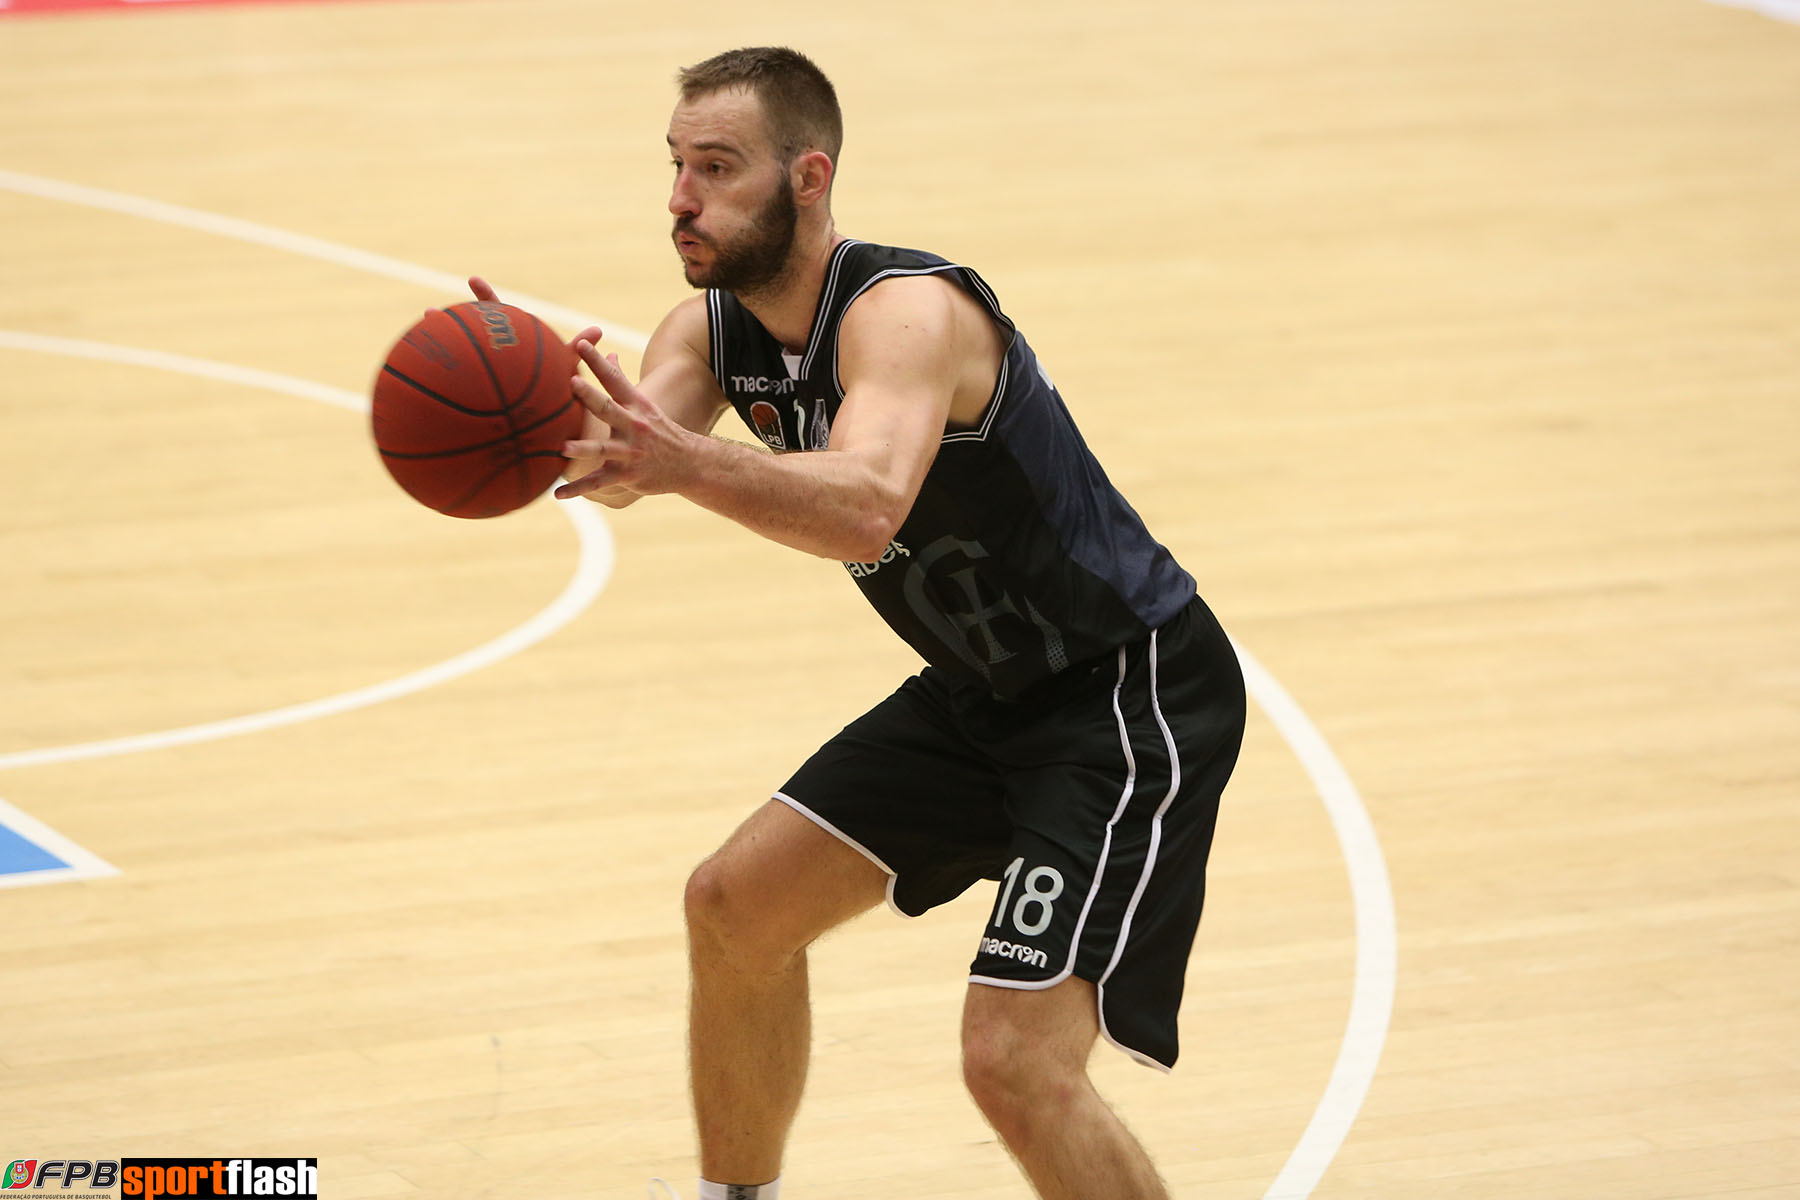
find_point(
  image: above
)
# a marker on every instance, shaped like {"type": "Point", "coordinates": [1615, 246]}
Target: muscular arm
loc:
{"type": "Point", "coordinates": [903, 349]}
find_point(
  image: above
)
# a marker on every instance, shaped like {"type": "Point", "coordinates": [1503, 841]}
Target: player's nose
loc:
{"type": "Point", "coordinates": [682, 201]}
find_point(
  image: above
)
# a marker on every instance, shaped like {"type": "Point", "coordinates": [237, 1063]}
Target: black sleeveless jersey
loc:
{"type": "Point", "coordinates": [1019, 557]}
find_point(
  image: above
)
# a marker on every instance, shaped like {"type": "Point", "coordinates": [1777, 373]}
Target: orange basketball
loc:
{"type": "Point", "coordinates": [472, 407]}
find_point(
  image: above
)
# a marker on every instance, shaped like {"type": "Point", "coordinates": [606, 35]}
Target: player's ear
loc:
{"type": "Point", "coordinates": [812, 173]}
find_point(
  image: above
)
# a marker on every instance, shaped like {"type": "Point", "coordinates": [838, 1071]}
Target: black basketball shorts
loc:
{"type": "Point", "coordinates": [1092, 806]}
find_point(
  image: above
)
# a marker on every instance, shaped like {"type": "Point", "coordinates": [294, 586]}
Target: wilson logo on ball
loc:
{"type": "Point", "coordinates": [499, 327]}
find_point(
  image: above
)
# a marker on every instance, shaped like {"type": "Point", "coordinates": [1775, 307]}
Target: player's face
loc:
{"type": "Point", "coordinates": [733, 200]}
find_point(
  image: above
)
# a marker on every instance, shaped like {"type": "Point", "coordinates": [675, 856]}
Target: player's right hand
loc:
{"type": "Point", "coordinates": [616, 496]}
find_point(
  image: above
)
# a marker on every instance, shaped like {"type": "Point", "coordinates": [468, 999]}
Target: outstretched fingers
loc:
{"type": "Point", "coordinates": [604, 366]}
{"type": "Point", "coordinates": [593, 481]}
{"type": "Point", "coordinates": [602, 405]}
{"type": "Point", "coordinates": [641, 449]}
{"type": "Point", "coordinates": [584, 448]}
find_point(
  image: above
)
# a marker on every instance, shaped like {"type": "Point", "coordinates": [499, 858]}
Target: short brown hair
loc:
{"type": "Point", "coordinates": [799, 102]}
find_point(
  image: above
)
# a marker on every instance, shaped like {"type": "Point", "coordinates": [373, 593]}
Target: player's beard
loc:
{"type": "Point", "coordinates": [758, 261]}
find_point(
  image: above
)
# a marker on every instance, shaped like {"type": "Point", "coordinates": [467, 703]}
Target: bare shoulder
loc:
{"type": "Point", "coordinates": [677, 373]}
{"type": "Point", "coordinates": [684, 328]}
{"type": "Point", "coordinates": [926, 328]}
{"type": "Point", "coordinates": [921, 302]}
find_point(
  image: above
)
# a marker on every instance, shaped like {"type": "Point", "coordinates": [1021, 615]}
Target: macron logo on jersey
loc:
{"type": "Point", "coordinates": [1012, 950]}
{"type": "Point", "coordinates": [761, 385]}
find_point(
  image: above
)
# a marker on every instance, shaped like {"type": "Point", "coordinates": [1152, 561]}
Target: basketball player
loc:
{"type": "Point", "coordinates": [1080, 709]}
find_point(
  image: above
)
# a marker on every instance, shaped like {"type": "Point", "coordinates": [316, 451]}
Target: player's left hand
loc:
{"type": "Point", "coordinates": [643, 449]}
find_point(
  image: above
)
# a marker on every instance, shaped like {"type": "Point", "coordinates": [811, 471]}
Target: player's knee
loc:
{"type": "Point", "coordinates": [724, 918]}
{"type": "Point", "coordinates": [1011, 1077]}
{"type": "Point", "coordinates": [709, 901]}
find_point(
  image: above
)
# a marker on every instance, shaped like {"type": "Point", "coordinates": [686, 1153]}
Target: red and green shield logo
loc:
{"type": "Point", "coordinates": [19, 1174]}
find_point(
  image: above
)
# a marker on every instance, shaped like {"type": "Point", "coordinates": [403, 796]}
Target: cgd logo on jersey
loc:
{"type": "Point", "coordinates": [966, 610]}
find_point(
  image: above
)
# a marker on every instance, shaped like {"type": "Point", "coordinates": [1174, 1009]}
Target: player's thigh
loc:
{"type": "Point", "coordinates": [781, 881]}
{"type": "Point", "coordinates": [903, 787]}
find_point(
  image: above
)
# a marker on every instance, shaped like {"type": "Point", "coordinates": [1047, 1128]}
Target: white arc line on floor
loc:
{"type": "Point", "coordinates": [592, 569]}
{"type": "Point", "coordinates": [569, 319]}
{"type": "Point", "coordinates": [1781, 10]}
{"type": "Point", "coordinates": [1372, 897]}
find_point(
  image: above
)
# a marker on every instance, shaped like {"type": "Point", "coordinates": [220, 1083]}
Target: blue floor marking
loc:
{"type": "Point", "coordinates": [19, 854]}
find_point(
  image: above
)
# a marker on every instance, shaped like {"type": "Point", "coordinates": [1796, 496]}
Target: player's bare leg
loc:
{"type": "Point", "coordinates": [753, 908]}
{"type": "Point", "coordinates": [1025, 1060]}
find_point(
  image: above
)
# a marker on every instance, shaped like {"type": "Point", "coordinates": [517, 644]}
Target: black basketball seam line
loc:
{"type": "Point", "coordinates": [479, 487]}
{"type": "Point", "coordinates": [515, 432]}
{"type": "Point", "coordinates": [493, 377]}
{"type": "Point", "coordinates": [506, 403]}
{"type": "Point", "coordinates": [444, 400]}
{"type": "Point", "coordinates": [526, 496]}
{"type": "Point", "coordinates": [488, 445]}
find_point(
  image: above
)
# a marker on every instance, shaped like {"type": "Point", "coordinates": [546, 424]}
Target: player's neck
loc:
{"type": "Point", "coordinates": [787, 307]}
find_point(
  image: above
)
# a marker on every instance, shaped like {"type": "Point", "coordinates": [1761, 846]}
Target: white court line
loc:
{"type": "Point", "coordinates": [592, 569]}
{"type": "Point", "coordinates": [133, 356]}
{"type": "Point", "coordinates": [1377, 941]}
{"type": "Point", "coordinates": [299, 243]}
{"type": "Point", "coordinates": [1781, 10]}
{"type": "Point", "coordinates": [1372, 996]}
{"type": "Point", "coordinates": [83, 864]}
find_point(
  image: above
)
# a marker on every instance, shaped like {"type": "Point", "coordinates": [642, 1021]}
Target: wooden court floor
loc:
{"type": "Point", "coordinates": [1454, 347]}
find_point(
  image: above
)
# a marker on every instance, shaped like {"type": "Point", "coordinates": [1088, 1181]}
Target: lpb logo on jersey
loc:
{"type": "Point", "coordinates": [768, 424]}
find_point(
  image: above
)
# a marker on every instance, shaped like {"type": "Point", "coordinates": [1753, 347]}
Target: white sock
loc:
{"type": "Point", "coordinates": [741, 1191]}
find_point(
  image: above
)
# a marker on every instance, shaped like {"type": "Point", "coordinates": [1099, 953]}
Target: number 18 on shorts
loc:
{"type": "Point", "coordinates": [1022, 917]}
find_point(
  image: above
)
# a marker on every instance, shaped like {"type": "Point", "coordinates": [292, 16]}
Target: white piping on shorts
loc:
{"type": "Point", "coordinates": [849, 841]}
{"type": "Point", "coordinates": [1105, 852]}
{"type": "Point", "coordinates": [1038, 985]}
{"type": "Point", "coordinates": [1149, 864]}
